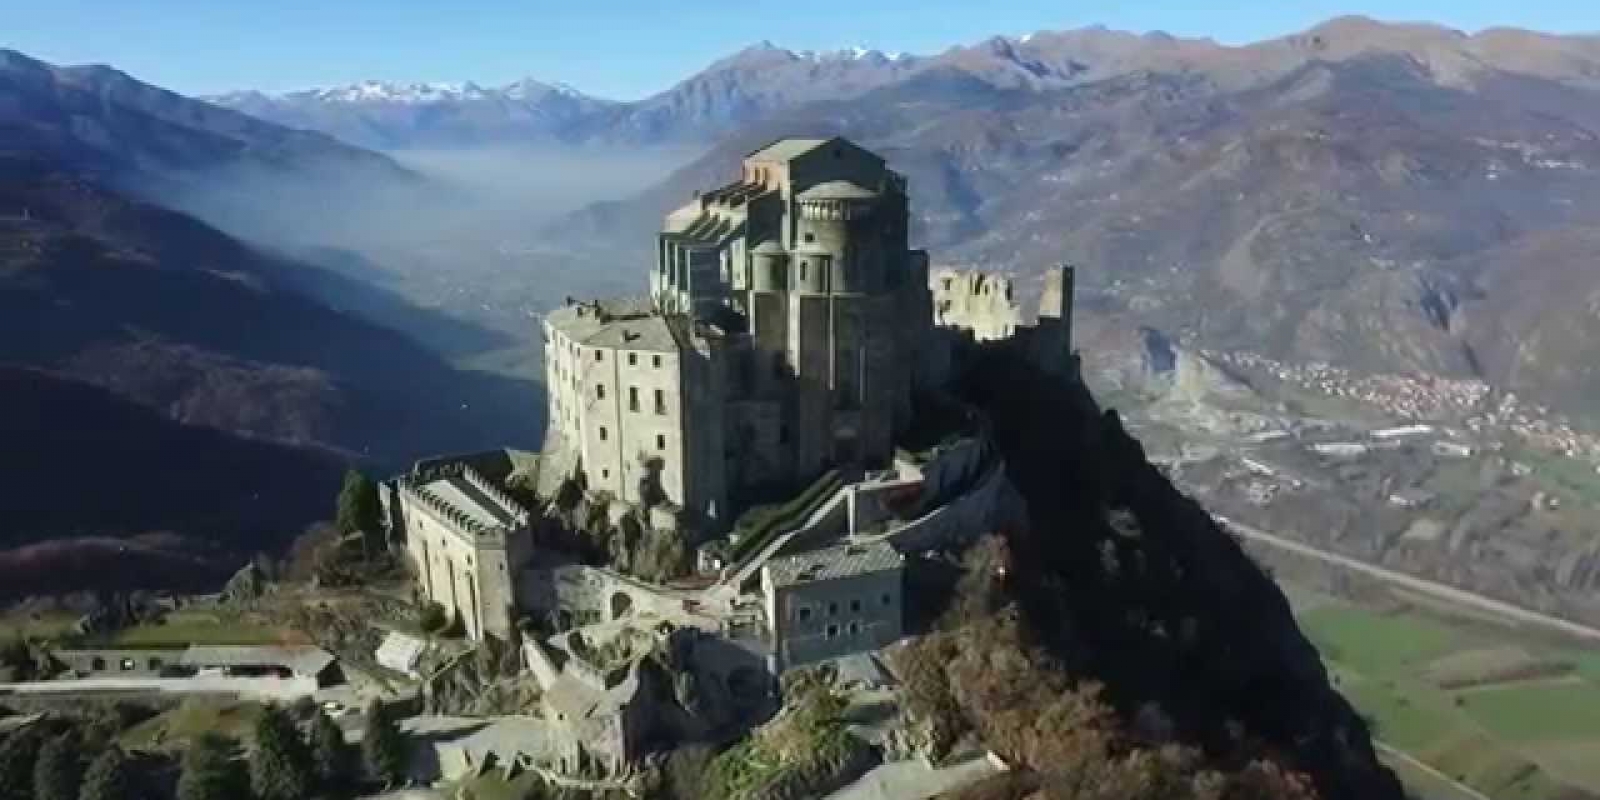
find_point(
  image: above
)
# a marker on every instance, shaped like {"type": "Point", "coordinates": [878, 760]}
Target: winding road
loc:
{"type": "Point", "coordinates": [1434, 588]}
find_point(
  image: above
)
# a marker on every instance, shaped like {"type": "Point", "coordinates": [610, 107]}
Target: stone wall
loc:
{"type": "Point", "coordinates": [989, 505]}
{"type": "Point", "coordinates": [108, 662]}
{"type": "Point", "coordinates": [980, 302]}
{"type": "Point", "coordinates": [606, 593]}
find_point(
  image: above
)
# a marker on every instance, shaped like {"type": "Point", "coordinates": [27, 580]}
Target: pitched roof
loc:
{"type": "Point", "coordinates": [833, 563]}
{"type": "Point", "coordinates": [302, 659]}
{"type": "Point", "coordinates": [400, 651]}
{"type": "Point", "coordinates": [787, 149]}
{"type": "Point", "coordinates": [621, 326]}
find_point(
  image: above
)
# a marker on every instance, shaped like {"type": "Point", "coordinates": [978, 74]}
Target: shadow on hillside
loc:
{"type": "Point", "coordinates": [1134, 584]}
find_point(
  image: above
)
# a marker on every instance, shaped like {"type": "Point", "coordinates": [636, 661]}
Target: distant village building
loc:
{"type": "Point", "coordinates": [1411, 498]}
{"type": "Point", "coordinates": [1340, 449]}
{"type": "Point", "coordinates": [1403, 432]}
{"type": "Point", "coordinates": [1447, 449]}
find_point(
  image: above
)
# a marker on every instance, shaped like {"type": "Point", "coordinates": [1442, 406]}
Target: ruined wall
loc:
{"type": "Point", "coordinates": [980, 302]}
{"type": "Point", "coordinates": [597, 590]}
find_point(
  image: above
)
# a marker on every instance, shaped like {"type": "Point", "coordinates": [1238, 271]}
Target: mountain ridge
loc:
{"type": "Point", "coordinates": [763, 79]}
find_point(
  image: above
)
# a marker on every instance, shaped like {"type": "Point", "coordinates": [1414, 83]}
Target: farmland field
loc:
{"type": "Point", "coordinates": [1506, 714]}
{"type": "Point", "coordinates": [1544, 711]}
{"type": "Point", "coordinates": [1374, 643]}
{"type": "Point", "coordinates": [183, 628]}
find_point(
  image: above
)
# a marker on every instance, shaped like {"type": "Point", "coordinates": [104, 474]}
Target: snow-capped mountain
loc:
{"type": "Point", "coordinates": [396, 115]}
{"type": "Point", "coordinates": [747, 85]}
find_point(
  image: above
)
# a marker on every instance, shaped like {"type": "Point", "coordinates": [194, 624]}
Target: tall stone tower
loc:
{"type": "Point", "coordinates": [1053, 340]}
{"type": "Point", "coordinates": [806, 257]}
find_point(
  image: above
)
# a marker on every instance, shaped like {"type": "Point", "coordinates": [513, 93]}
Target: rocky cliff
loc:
{"type": "Point", "coordinates": [1119, 579]}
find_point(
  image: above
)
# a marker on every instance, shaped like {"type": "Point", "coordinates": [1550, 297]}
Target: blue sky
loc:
{"type": "Point", "coordinates": [622, 48]}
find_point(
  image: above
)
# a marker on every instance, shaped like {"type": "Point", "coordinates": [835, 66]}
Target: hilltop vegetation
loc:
{"type": "Point", "coordinates": [1119, 580]}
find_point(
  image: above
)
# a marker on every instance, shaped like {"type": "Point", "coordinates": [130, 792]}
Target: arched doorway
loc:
{"type": "Point", "coordinates": [621, 605]}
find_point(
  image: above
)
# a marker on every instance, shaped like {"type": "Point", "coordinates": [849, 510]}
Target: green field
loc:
{"type": "Point", "coordinates": [42, 625]}
{"type": "Point", "coordinates": [1562, 711]}
{"type": "Point", "coordinates": [183, 628]}
{"type": "Point", "coordinates": [1401, 717]}
{"type": "Point", "coordinates": [1375, 644]}
{"type": "Point", "coordinates": [1510, 740]}
{"type": "Point", "coordinates": [175, 728]}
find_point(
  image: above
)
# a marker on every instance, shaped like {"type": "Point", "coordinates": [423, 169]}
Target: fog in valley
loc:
{"type": "Point", "coordinates": [450, 252]}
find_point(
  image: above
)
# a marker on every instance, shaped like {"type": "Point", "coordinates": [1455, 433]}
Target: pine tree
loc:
{"type": "Point", "coordinates": [209, 771]}
{"type": "Point", "coordinates": [358, 504]}
{"type": "Point", "coordinates": [332, 759]}
{"type": "Point", "coordinates": [108, 777]}
{"type": "Point", "coordinates": [17, 756]}
{"type": "Point", "coordinates": [383, 748]}
{"type": "Point", "coordinates": [280, 764]}
{"type": "Point", "coordinates": [56, 774]}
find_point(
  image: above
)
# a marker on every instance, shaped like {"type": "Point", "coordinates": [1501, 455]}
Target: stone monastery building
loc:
{"type": "Point", "coordinates": [787, 332]}
{"type": "Point", "coordinates": [783, 332]}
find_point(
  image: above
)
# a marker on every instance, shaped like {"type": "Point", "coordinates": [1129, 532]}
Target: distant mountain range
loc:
{"type": "Point", "coordinates": [107, 124]}
{"type": "Point", "coordinates": [221, 395]}
{"type": "Point", "coordinates": [1385, 197]}
{"type": "Point", "coordinates": [765, 79]}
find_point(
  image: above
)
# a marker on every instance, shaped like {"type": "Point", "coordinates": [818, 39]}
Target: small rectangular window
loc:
{"type": "Point", "coordinates": [599, 355]}
{"type": "Point", "coordinates": [633, 398]}
{"type": "Point", "coordinates": [655, 361]}
{"type": "Point", "coordinates": [602, 433]}
{"type": "Point", "coordinates": [661, 442]}
{"type": "Point", "coordinates": [661, 402]}
{"type": "Point", "coordinates": [833, 631]}
{"type": "Point", "coordinates": [855, 606]}
{"type": "Point", "coordinates": [804, 613]}
{"type": "Point", "coordinates": [633, 359]}
{"type": "Point", "coordinates": [600, 391]}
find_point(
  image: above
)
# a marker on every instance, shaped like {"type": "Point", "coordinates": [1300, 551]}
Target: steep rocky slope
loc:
{"type": "Point", "coordinates": [182, 319]}
{"type": "Point", "coordinates": [101, 492]}
{"type": "Point", "coordinates": [1124, 581]}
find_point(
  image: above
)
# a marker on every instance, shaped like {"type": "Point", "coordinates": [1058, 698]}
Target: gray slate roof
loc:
{"type": "Point", "coordinates": [461, 494]}
{"type": "Point", "coordinates": [620, 325]}
{"type": "Point", "coordinates": [301, 659]}
{"type": "Point", "coordinates": [400, 651]}
{"type": "Point", "coordinates": [833, 563]}
{"type": "Point", "coordinates": [787, 149]}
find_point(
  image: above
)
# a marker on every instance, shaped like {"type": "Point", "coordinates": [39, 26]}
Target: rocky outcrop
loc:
{"type": "Point", "coordinates": [246, 586]}
{"type": "Point", "coordinates": [484, 681]}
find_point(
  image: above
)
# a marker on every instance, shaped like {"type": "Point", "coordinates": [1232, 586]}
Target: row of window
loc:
{"type": "Point", "coordinates": [633, 398]}
{"type": "Point", "coordinates": [803, 613]}
{"type": "Point", "coordinates": [853, 629]}
{"type": "Point", "coordinates": [127, 664]}
{"type": "Point", "coordinates": [600, 355]}
{"type": "Point", "coordinates": [661, 438]}
{"type": "Point", "coordinates": [633, 358]}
